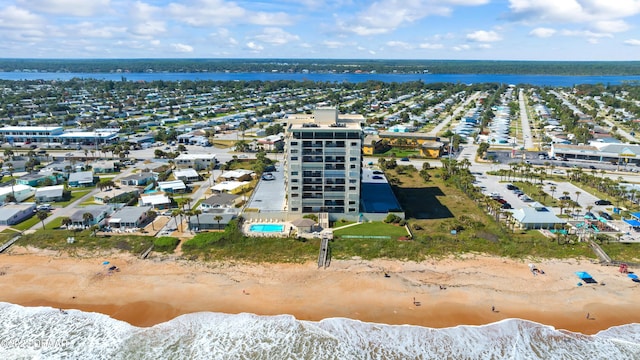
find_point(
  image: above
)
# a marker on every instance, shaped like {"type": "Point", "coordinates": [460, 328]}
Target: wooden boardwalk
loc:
{"type": "Point", "coordinates": [6, 245]}
{"type": "Point", "coordinates": [324, 258]}
{"type": "Point", "coordinates": [146, 252]}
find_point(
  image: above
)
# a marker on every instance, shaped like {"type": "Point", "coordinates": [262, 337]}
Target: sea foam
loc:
{"type": "Point", "coordinates": [47, 333]}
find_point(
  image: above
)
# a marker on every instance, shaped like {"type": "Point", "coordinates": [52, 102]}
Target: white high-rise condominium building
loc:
{"type": "Point", "coordinates": [324, 162]}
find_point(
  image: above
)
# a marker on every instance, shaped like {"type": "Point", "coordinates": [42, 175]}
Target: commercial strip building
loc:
{"type": "Point", "coordinates": [54, 135]}
{"type": "Point", "coordinates": [598, 151]}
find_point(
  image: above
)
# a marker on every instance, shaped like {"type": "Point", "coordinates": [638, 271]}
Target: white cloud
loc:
{"type": "Point", "coordinates": [384, 16]}
{"type": "Point", "coordinates": [462, 47]}
{"type": "Point", "coordinates": [333, 44]}
{"type": "Point", "coordinates": [17, 18]}
{"type": "Point", "coordinates": [484, 36]}
{"type": "Point", "coordinates": [81, 8]}
{"type": "Point", "coordinates": [88, 29]}
{"type": "Point", "coordinates": [585, 33]}
{"type": "Point", "coordinates": [254, 47]}
{"type": "Point", "coordinates": [223, 36]}
{"type": "Point", "coordinates": [20, 25]}
{"type": "Point", "coordinates": [219, 12]}
{"type": "Point", "coordinates": [184, 48]}
{"type": "Point", "coordinates": [632, 42]}
{"type": "Point", "coordinates": [611, 26]}
{"type": "Point", "coordinates": [276, 36]}
{"type": "Point", "coordinates": [146, 21]}
{"type": "Point", "coordinates": [430, 46]}
{"type": "Point", "coordinates": [573, 11]}
{"type": "Point", "coordinates": [542, 32]}
{"type": "Point", "coordinates": [399, 44]}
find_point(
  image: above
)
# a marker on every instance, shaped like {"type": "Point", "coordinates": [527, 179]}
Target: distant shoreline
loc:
{"type": "Point", "coordinates": [469, 290]}
{"type": "Point", "coordinates": [534, 80]}
{"type": "Point", "coordinates": [326, 66]}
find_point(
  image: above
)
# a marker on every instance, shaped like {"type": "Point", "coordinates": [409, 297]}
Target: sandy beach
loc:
{"type": "Point", "coordinates": [446, 292]}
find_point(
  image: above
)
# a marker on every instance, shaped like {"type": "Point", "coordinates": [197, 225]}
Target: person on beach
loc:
{"type": "Point", "coordinates": [587, 316]}
{"type": "Point", "coordinates": [493, 309]}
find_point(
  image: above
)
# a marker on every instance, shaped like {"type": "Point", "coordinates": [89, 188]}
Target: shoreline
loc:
{"type": "Point", "coordinates": [447, 292]}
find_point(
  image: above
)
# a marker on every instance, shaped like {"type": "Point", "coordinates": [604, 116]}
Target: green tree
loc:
{"type": "Point", "coordinates": [42, 215]}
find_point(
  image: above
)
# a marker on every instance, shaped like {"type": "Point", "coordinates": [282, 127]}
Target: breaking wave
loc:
{"type": "Point", "coordinates": [47, 333]}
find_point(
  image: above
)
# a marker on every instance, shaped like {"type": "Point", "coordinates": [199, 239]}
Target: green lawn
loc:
{"type": "Point", "coordinates": [372, 229]}
{"type": "Point", "coordinates": [27, 224]}
{"type": "Point", "coordinates": [75, 195]}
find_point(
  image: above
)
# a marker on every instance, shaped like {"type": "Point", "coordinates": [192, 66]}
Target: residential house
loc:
{"type": "Point", "coordinates": [82, 179]}
{"type": "Point", "coordinates": [129, 217]}
{"type": "Point", "coordinates": [37, 179]}
{"type": "Point", "coordinates": [216, 219]}
{"type": "Point", "coordinates": [272, 142]}
{"type": "Point", "coordinates": [157, 200]}
{"type": "Point", "coordinates": [196, 161]}
{"type": "Point", "coordinates": [139, 179]}
{"type": "Point", "coordinates": [115, 195]}
{"type": "Point", "coordinates": [20, 192]}
{"type": "Point", "coordinates": [221, 200]}
{"type": "Point", "coordinates": [16, 165]}
{"type": "Point", "coordinates": [98, 214]}
{"type": "Point", "coordinates": [237, 175]}
{"type": "Point", "coordinates": [102, 167]}
{"type": "Point", "coordinates": [172, 187]}
{"type": "Point", "coordinates": [186, 175]}
{"type": "Point", "coordinates": [48, 194]}
{"type": "Point", "coordinates": [12, 214]}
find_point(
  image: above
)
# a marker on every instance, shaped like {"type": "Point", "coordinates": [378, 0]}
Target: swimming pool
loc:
{"type": "Point", "coordinates": [267, 228]}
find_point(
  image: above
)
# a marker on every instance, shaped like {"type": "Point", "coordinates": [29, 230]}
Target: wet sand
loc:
{"type": "Point", "coordinates": [447, 292]}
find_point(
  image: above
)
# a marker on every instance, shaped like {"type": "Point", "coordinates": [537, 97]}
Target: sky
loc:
{"type": "Point", "coordinates": [322, 29]}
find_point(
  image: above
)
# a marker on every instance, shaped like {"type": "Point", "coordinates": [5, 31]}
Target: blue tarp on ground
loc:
{"type": "Point", "coordinates": [634, 223]}
{"type": "Point", "coordinates": [583, 275]}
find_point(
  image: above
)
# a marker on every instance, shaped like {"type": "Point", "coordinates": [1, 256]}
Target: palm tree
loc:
{"type": "Point", "coordinates": [151, 214]}
{"type": "Point", "coordinates": [553, 189]}
{"type": "Point", "coordinates": [578, 195]}
{"type": "Point", "coordinates": [197, 213]}
{"type": "Point", "coordinates": [218, 218]}
{"type": "Point", "coordinates": [87, 218]}
{"type": "Point", "coordinates": [42, 215]}
{"type": "Point", "coordinates": [174, 214]}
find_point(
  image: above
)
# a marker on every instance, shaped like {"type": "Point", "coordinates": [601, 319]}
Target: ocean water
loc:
{"type": "Point", "coordinates": [47, 333]}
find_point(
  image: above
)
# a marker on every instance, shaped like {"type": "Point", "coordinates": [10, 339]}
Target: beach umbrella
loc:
{"type": "Point", "coordinates": [105, 263]}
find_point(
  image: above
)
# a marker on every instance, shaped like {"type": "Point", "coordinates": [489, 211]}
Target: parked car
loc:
{"type": "Point", "coordinates": [502, 201]}
{"type": "Point", "coordinates": [564, 197]}
{"type": "Point", "coordinates": [43, 207]}
{"type": "Point", "coordinates": [606, 215]}
{"type": "Point", "coordinates": [404, 159]}
{"type": "Point", "coordinates": [603, 202]}
{"type": "Point", "coordinates": [589, 214]}
{"type": "Point", "coordinates": [511, 187]}
{"type": "Point", "coordinates": [506, 206]}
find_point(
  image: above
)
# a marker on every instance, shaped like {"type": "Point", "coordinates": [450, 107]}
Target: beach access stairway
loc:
{"type": "Point", "coordinates": [604, 258]}
{"type": "Point", "coordinates": [146, 252]}
{"type": "Point", "coordinates": [6, 245]}
{"type": "Point", "coordinates": [323, 258]}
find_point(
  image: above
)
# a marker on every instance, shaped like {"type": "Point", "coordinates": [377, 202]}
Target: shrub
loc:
{"type": "Point", "coordinates": [165, 244]}
{"type": "Point", "coordinates": [402, 222]}
{"type": "Point", "coordinates": [392, 218]}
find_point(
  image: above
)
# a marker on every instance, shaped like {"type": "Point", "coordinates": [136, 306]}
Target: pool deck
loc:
{"type": "Point", "coordinates": [287, 227]}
